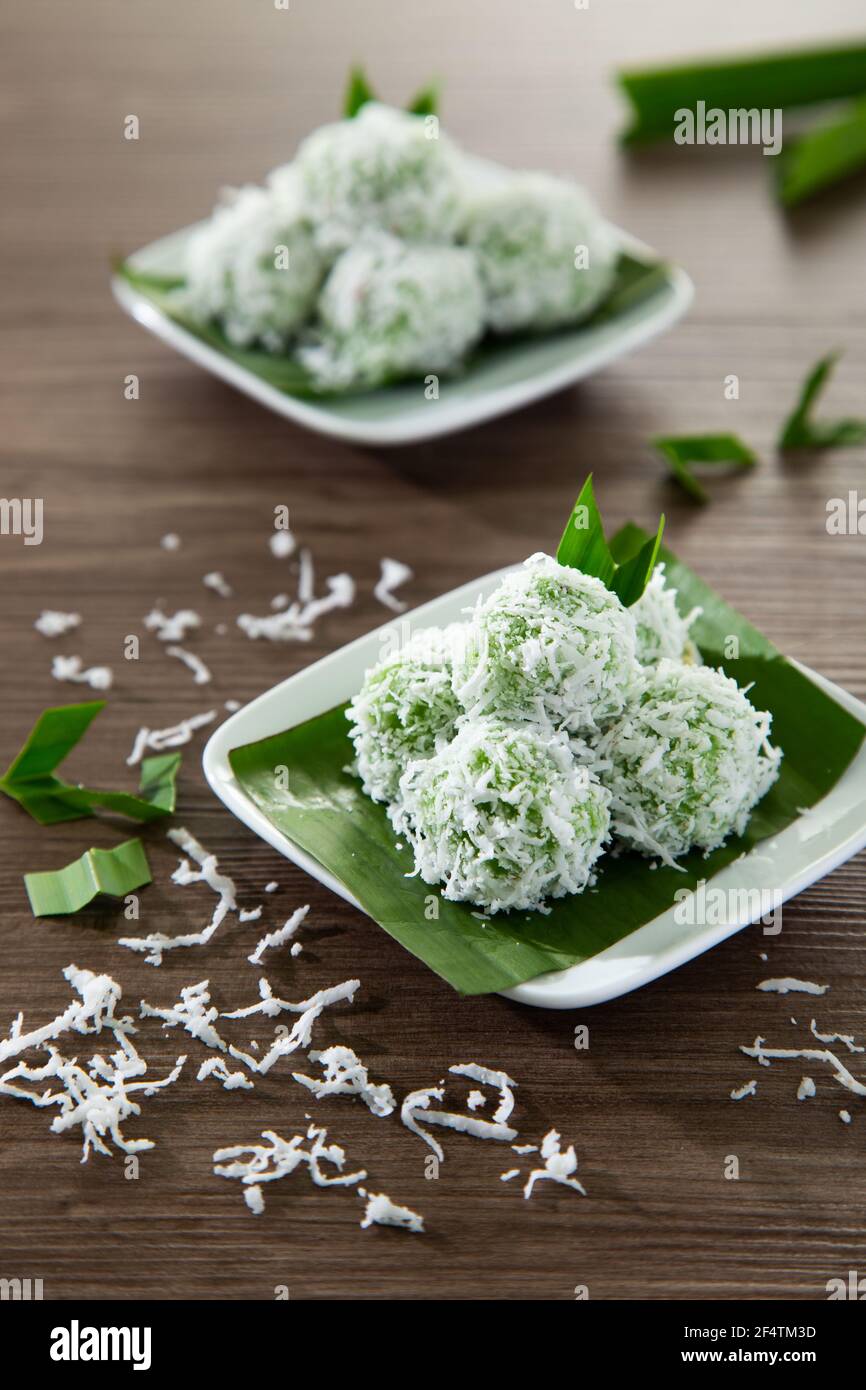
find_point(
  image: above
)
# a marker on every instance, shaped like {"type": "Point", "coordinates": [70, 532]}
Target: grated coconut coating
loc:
{"type": "Point", "coordinates": [526, 232]}
{"type": "Point", "coordinates": [390, 309]}
{"type": "Point", "coordinates": [551, 644]}
{"type": "Point", "coordinates": [383, 170]}
{"type": "Point", "coordinates": [661, 629]}
{"type": "Point", "coordinates": [233, 270]}
{"type": "Point", "coordinates": [503, 817]}
{"type": "Point", "coordinates": [405, 710]}
{"type": "Point", "coordinates": [687, 762]}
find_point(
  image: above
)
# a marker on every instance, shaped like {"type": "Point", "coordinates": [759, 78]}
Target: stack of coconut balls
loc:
{"type": "Point", "coordinates": [382, 253]}
{"type": "Point", "coordinates": [512, 749]}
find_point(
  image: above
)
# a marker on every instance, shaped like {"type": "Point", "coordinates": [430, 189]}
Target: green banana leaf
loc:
{"type": "Point", "coordinates": [325, 813]}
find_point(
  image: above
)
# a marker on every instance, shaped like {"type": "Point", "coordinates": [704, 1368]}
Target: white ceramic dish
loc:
{"type": "Point", "coordinates": [401, 414]}
{"type": "Point", "coordinates": [819, 841]}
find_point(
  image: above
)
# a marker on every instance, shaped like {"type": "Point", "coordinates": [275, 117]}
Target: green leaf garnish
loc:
{"type": "Point", "coordinates": [583, 547]}
{"type": "Point", "coordinates": [358, 93]}
{"type": "Point", "coordinates": [329, 816]}
{"type": "Point", "coordinates": [425, 102]}
{"type": "Point", "coordinates": [632, 576]}
{"type": "Point", "coordinates": [800, 431]}
{"type": "Point", "coordinates": [772, 80]}
{"type": "Point", "coordinates": [684, 450]}
{"type": "Point", "coordinates": [115, 871]}
{"type": "Point", "coordinates": [30, 778]}
{"type": "Point", "coordinates": [823, 156]}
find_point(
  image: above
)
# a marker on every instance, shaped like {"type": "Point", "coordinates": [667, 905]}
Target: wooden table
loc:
{"type": "Point", "coordinates": [223, 92]}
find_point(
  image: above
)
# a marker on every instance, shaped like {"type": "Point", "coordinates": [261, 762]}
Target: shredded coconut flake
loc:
{"type": "Point", "coordinates": [208, 872]}
{"type": "Point", "coordinates": [171, 627]}
{"type": "Point", "coordinates": [748, 1089]}
{"type": "Point", "coordinates": [346, 1075]}
{"type": "Point", "coordinates": [394, 573]}
{"type": "Point", "coordinates": [217, 581]}
{"type": "Point", "coordinates": [200, 672]}
{"type": "Point", "coordinates": [381, 1211]}
{"type": "Point", "coordinates": [170, 541]}
{"type": "Point", "coordinates": [161, 740]}
{"type": "Point", "coordinates": [231, 1080]}
{"type": "Point", "coordinates": [254, 1164]}
{"type": "Point", "coordinates": [301, 1032]}
{"type": "Point", "coordinates": [52, 623]}
{"type": "Point", "coordinates": [97, 1097]}
{"type": "Point", "coordinates": [788, 985]}
{"type": "Point", "coordinates": [71, 668]}
{"type": "Point", "coordinates": [194, 1012]}
{"type": "Point", "coordinates": [295, 623]}
{"type": "Point", "coordinates": [283, 544]}
{"type": "Point", "coordinates": [765, 1055]}
{"type": "Point", "coordinates": [846, 1038]}
{"type": "Point", "coordinates": [418, 1103]}
{"type": "Point", "coordinates": [806, 1089]}
{"type": "Point", "coordinates": [559, 1166]}
{"type": "Point", "coordinates": [280, 936]}
{"type": "Point", "coordinates": [96, 1008]}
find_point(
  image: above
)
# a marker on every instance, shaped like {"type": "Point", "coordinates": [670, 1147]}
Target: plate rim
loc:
{"type": "Point", "coordinates": [449, 417]}
{"type": "Point", "coordinates": [573, 987]}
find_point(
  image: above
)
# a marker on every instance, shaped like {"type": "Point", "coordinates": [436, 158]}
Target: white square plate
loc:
{"type": "Point", "coordinates": [819, 841]}
{"type": "Point", "coordinates": [516, 376]}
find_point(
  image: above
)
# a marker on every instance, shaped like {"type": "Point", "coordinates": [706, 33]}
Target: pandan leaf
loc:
{"type": "Point", "coordinates": [769, 80]}
{"type": "Point", "coordinates": [684, 450]}
{"type": "Point", "coordinates": [800, 431]}
{"type": "Point", "coordinates": [425, 102]}
{"type": "Point", "coordinates": [30, 778]}
{"type": "Point", "coordinates": [115, 872]}
{"type": "Point", "coordinates": [358, 93]}
{"type": "Point", "coordinates": [632, 577]}
{"type": "Point", "coordinates": [583, 547]}
{"type": "Point", "coordinates": [823, 156]}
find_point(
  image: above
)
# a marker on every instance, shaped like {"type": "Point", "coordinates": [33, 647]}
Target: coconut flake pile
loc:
{"type": "Point", "coordinates": [97, 1096]}
{"type": "Point", "coordinates": [346, 1075]}
{"type": "Point", "coordinates": [256, 1164]}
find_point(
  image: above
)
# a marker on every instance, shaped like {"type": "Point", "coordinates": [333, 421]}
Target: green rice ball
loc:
{"type": "Point", "coordinates": [503, 817]}
{"type": "Point", "coordinates": [405, 710]}
{"type": "Point", "coordinates": [551, 644]}
{"type": "Point", "coordinates": [531, 233]}
{"type": "Point", "coordinates": [254, 268]}
{"type": "Point", "coordinates": [391, 309]}
{"type": "Point", "coordinates": [384, 170]}
{"type": "Point", "coordinates": [661, 629]}
{"type": "Point", "coordinates": [687, 762]}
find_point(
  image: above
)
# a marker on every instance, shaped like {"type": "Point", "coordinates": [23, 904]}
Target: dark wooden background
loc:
{"type": "Point", "coordinates": [223, 92]}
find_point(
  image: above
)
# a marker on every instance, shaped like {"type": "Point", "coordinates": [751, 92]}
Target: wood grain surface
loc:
{"type": "Point", "coordinates": [223, 92]}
